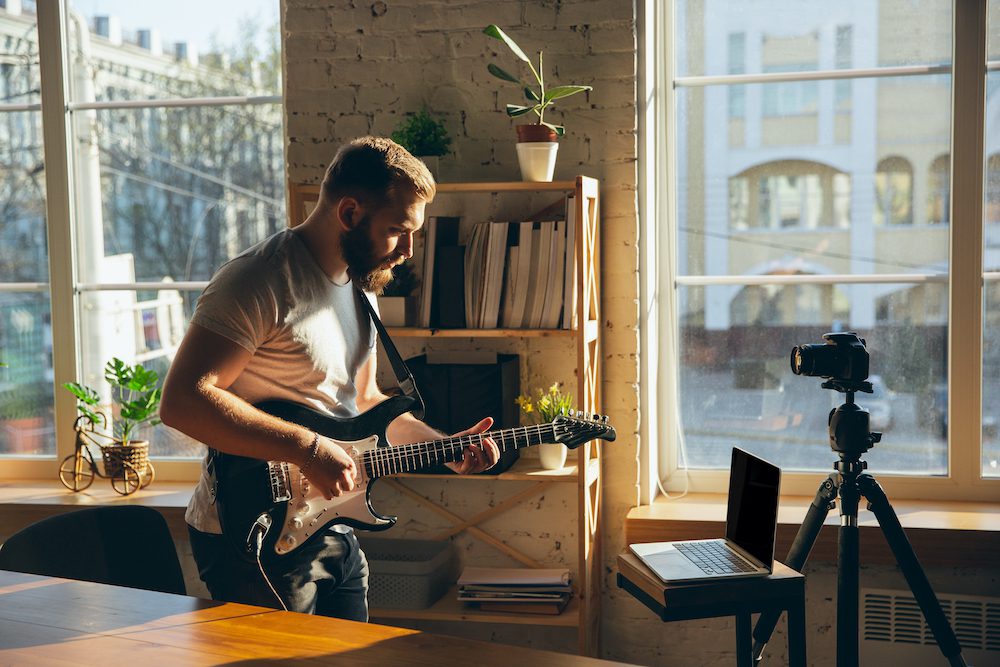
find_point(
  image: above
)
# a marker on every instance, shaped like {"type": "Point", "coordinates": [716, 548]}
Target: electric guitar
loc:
{"type": "Point", "coordinates": [269, 508]}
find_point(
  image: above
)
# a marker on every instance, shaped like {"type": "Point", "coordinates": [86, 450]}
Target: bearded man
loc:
{"type": "Point", "coordinates": [285, 320]}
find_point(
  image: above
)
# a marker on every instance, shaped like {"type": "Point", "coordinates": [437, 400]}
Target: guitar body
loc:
{"type": "Point", "coordinates": [295, 513]}
{"type": "Point", "coordinates": [269, 508]}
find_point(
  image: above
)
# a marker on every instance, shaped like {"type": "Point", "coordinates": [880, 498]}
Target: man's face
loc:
{"type": "Point", "coordinates": [382, 240]}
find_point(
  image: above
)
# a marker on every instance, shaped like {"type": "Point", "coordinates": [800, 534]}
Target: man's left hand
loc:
{"type": "Point", "coordinates": [477, 457]}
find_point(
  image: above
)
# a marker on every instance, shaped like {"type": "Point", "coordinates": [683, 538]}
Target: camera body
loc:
{"type": "Point", "coordinates": [842, 358]}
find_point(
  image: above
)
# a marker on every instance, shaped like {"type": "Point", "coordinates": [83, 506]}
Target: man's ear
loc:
{"type": "Point", "coordinates": [349, 212]}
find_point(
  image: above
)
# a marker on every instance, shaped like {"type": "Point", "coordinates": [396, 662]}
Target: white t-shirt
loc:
{"type": "Point", "coordinates": [308, 335]}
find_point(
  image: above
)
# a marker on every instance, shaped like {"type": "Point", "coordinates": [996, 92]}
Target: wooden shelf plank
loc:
{"type": "Point", "coordinates": [509, 186]}
{"type": "Point", "coordinates": [449, 608]}
{"type": "Point", "coordinates": [413, 332]}
{"type": "Point", "coordinates": [525, 470]}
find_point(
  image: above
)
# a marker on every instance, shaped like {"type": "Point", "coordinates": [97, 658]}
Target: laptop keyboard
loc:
{"type": "Point", "coordinates": [714, 557]}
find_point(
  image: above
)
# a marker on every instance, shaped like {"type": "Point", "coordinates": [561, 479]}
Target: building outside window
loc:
{"type": "Point", "coordinates": [833, 213]}
{"type": "Point", "coordinates": [175, 154]}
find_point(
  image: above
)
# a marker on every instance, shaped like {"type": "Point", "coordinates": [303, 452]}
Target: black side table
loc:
{"type": "Point", "coordinates": [783, 590]}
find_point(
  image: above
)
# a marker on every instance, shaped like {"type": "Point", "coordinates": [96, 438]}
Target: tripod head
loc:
{"type": "Point", "coordinates": [843, 360]}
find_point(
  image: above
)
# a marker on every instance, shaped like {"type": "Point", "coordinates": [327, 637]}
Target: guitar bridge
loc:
{"type": "Point", "coordinates": [280, 487]}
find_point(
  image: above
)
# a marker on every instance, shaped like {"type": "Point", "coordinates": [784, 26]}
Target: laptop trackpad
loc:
{"type": "Point", "coordinates": [668, 563]}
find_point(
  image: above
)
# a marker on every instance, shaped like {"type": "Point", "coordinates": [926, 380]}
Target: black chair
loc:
{"type": "Point", "coordinates": [124, 545]}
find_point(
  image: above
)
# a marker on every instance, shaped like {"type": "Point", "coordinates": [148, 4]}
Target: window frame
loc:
{"type": "Point", "coordinates": [659, 339]}
{"type": "Point", "coordinates": [64, 286]}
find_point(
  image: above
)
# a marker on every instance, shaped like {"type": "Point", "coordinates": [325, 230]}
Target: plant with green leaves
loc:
{"type": "Point", "coordinates": [134, 389]}
{"type": "Point", "coordinates": [547, 405]}
{"type": "Point", "coordinates": [538, 100]}
{"type": "Point", "coordinates": [422, 135]}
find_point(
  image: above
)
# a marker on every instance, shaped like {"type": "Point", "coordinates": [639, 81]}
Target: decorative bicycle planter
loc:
{"type": "Point", "coordinates": [127, 466]}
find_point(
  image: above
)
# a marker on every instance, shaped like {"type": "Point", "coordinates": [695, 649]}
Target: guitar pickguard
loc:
{"type": "Point", "coordinates": [308, 511]}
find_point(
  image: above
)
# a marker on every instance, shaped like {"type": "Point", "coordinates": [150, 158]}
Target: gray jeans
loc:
{"type": "Point", "coordinates": [328, 576]}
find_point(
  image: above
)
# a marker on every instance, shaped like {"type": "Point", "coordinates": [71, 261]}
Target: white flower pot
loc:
{"type": "Point", "coordinates": [552, 455]}
{"type": "Point", "coordinates": [537, 160]}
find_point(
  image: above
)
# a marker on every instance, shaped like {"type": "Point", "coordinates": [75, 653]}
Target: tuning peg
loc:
{"type": "Point", "coordinates": [604, 419]}
{"type": "Point", "coordinates": [597, 418]}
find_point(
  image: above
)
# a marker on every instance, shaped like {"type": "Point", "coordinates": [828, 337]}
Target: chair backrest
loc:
{"type": "Point", "coordinates": [124, 545]}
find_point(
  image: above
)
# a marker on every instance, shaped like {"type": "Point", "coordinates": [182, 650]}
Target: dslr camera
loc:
{"type": "Point", "coordinates": [843, 359]}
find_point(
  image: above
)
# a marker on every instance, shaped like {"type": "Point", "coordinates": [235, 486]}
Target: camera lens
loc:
{"type": "Point", "coordinates": [806, 359]}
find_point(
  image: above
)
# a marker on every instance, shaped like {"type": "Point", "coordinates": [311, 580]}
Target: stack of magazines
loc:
{"type": "Point", "coordinates": [516, 590]}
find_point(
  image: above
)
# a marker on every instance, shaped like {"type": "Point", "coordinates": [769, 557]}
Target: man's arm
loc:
{"type": "Point", "coordinates": [406, 428]}
{"type": "Point", "coordinates": [196, 401]}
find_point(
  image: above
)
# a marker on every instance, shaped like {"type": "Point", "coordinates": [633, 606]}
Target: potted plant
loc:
{"type": "Point", "coordinates": [547, 405]}
{"type": "Point", "coordinates": [537, 142]}
{"type": "Point", "coordinates": [136, 394]}
{"type": "Point", "coordinates": [425, 137]}
{"type": "Point", "coordinates": [396, 305]}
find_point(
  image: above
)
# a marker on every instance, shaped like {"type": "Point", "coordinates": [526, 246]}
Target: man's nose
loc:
{"type": "Point", "coordinates": [406, 245]}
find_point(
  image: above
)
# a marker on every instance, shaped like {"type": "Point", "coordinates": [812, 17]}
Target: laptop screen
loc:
{"type": "Point", "coordinates": [753, 504]}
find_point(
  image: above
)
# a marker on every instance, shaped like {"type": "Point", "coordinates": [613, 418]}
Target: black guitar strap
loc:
{"type": "Point", "coordinates": [403, 375]}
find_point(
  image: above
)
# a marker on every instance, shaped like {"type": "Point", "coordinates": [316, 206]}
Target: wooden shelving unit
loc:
{"type": "Point", "coordinates": [583, 612]}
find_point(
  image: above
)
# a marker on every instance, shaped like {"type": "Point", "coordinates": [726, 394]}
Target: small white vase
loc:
{"type": "Point", "coordinates": [537, 160]}
{"type": "Point", "coordinates": [552, 455]}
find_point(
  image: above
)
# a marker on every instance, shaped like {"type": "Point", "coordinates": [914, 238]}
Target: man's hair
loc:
{"type": "Point", "coordinates": [375, 170]}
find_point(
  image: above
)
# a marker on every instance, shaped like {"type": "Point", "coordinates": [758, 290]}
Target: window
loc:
{"type": "Point", "coordinates": [173, 162]}
{"type": "Point", "coordinates": [894, 192]}
{"type": "Point", "coordinates": [846, 127]}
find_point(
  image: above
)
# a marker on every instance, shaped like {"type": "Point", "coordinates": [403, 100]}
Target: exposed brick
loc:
{"type": "Point", "coordinates": [304, 20]}
{"type": "Point", "coordinates": [612, 38]}
{"type": "Point", "coordinates": [596, 67]}
{"type": "Point", "coordinates": [593, 12]}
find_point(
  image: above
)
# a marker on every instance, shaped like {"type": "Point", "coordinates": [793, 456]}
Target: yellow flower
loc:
{"type": "Point", "coordinates": [554, 389]}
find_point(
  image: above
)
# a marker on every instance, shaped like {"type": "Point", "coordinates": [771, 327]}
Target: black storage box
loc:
{"type": "Point", "coordinates": [457, 396]}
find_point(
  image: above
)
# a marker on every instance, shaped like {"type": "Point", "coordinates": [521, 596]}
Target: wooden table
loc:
{"type": "Point", "coordinates": [50, 621]}
{"type": "Point", "coordinates": [782, 590]}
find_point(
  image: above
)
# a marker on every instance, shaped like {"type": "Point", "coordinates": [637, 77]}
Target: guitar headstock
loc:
{"type": "Point", "coordinates": [576, 429]}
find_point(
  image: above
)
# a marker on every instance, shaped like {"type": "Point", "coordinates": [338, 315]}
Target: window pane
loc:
{"type": "Point", "coordinates": [799, 194]}
{"type": "Point", "coordinates": [184, 48]}
{"type": "Point", "coordinates": [143, 327]}
{"type": "Point", "coordinates": [787, 35]}
{"type": "Point", "coordinates": [814, 178]}
{"type": "Point", "coordinates": [991, 259]}
{"type": "Point", "coordinates": [737, 387]}
{"type": "Point", "coordinates": [26, 400]}
{"type": "Point", "coordinates": [186, 189]}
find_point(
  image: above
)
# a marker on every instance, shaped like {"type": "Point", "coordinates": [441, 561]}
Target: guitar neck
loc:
{"type": "Point", "coordinates": [382, 461]}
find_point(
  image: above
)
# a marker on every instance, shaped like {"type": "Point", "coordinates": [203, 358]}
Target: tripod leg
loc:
{"type": "Point", "coordinates": [797, 554]}
{"type": "Point", "coordinates": [848, 637]}
{"type": "Point", "coordinates": [908, 563]}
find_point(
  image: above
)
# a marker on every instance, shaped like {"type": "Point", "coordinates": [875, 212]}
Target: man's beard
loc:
{"type": "Point", "coordinates": [363, 268]}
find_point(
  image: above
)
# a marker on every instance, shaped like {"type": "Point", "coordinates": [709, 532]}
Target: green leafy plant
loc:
{"type": "Point", "coordinates": [422, 135]}
{"type": "Point", "coordinates": [134, 389]}
{"type": "Point", "coordinates": [404, 281]}
{"type": "Point", "coordinates": [547, 405]}
{"type": "Point", "coordinates": [538, 101]}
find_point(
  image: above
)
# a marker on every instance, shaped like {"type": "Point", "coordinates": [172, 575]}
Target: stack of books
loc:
{"type": "Point", "coordinates": [516, 590]}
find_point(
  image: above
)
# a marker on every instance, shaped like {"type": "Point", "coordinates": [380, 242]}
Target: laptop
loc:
{"type": "Point", "coordinates": [751, 520]}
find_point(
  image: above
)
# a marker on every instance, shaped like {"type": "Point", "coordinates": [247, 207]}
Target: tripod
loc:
{"type": "Point", "coordinates": [850, 438]}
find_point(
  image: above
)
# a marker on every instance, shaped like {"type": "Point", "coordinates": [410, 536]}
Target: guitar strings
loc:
{"type": "Point", "coordinates": [385, 459]}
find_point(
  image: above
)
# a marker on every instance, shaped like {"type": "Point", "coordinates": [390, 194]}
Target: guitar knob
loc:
{"type": "Point", "coordinates": [290, 541]}
{"type": "Point", "coordinates": [295, 523]}
{"type": "Point", "coordinates": [302, 508]}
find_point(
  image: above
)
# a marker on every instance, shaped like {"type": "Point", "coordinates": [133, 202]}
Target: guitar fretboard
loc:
{"type": "Point", "coordinates": [419, 455]}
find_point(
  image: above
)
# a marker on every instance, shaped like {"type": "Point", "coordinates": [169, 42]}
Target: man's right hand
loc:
{"type": "Point", "coordinates": [332, 471]}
